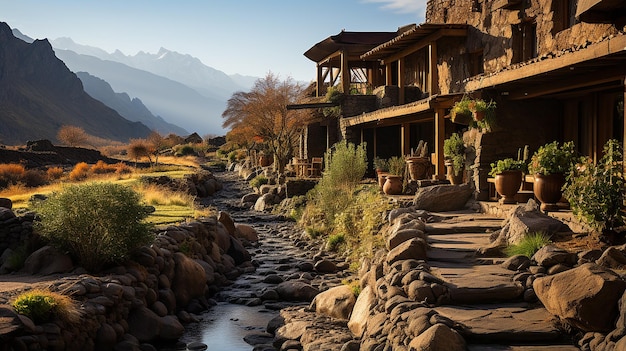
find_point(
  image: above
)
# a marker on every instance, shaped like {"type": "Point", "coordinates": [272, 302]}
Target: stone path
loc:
{"type": "Point", "coordinates": [484, 298]}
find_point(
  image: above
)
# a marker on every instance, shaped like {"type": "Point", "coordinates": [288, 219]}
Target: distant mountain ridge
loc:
{"type": "Point", "coordinates": [39, 94]}
{"type": "Point", "coordinates": [131, 109]}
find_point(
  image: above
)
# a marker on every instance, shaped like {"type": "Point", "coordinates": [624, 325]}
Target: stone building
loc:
{"type": "Point", "coordinates": [555, 68]}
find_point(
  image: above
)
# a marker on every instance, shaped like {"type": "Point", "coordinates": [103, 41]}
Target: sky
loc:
{"type": "Point", "coordinates": [248, 37]}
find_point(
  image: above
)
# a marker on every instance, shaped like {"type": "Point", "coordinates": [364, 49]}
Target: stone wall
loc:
{"type": "Point", "coordinates": [357, 104]}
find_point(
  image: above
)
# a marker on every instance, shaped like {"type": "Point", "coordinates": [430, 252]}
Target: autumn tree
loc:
{"type": "Point", "coordinates": [156, 144]}
{"type": "Point", "coordinates": [72, 136]}
{"type": "Point", "coordinates": [139, 148]}
{"type": "Point", "coordinates": [262, 112]}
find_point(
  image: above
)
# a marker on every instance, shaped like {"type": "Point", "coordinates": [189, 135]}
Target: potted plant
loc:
{"type": "Point", "coordinates": [454, 154]}
{"type": "Point", "coordinates": [508, 174]}
{"type": "Point", "coordinates": [419, 162]}
{"type": "Point", "coordinates": [382, 170]}
{"type": "Point", "coordinates": [596, 191]}
{"type": "Point", "coordinates": [393, 183]}
{"type": "Point", "coordinates": [460, 112]}
{"type": "Point", "coordinates": [484, 113]}
{"type": "Point", "coordinates": [549, 165]}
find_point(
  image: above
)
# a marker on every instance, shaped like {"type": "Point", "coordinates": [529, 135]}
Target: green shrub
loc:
{"type": "Point", "coordinates": [43, 306]}
{"type": "Point", "coordinates": [232, 156]}
{"type": "Point", "coordinates": [259, 180]}
{"type": "Point", "coordinates": [314, 233]}
{"type": "Point", "coordinates": [98, 223]}
{"type": "Point", "coordinates": [334, 241]}
{"type": "Point", "coordinates": [529, 245]}
{"type": "Point", "coordinates": [596, 191]}
{"type": "Point", "coordinates": [185, 150]}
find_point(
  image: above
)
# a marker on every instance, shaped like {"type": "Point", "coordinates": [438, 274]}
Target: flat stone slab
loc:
{"type": "Point", "coordinates": [473, 223]}
{"type": "Point", "coordinates": [510, 323]}
{"type": "Point", "coordinates": [467, 241]}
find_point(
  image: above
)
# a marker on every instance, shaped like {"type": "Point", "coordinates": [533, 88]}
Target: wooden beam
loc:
{"type": "Point", "coordinates": [388, 75]}
{"type": "Point", "coordinates": [401, 80]}
{"type": "Point", "coordinates": [320, 81]}
{"type": "Point", "coordinates": [328, 58]}
{"type": "Point", "coordinates": [440, 135]}
{"type": "Point", "coordinates": [390, 112]}
{"type": "Point", "coordinates": [432, 68]}
{"type": "Point", "coordinates": [425, 42]}
{"type": "Point", "coordinates": [607, 47]}
{"type": "Point", "coordinates": [624, 119]}
{"type": "Point", "coordinates": [345, 73]}
{"type": "Point", "coordinates": [406, 139]}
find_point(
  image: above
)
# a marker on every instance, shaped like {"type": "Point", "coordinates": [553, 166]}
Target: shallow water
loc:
{"type": "Point", "coordinates": [224, 326]}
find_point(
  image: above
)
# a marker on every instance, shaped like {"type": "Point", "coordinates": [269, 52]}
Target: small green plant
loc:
{"type": "Point", "coordinates": [334, 241]}
{"type": "Point", "coordinates": [259, 180]}
{"type": "Point", "coordinates": [552, 158]}
{"type": "Point", "coordinates": [381, 164]}
{"type": "Point", "coordinates": [507, 164]}
{"type": "Point", "coordinates": [529, 245]}
{"type": "Point", "coordinates": [397, 166]}
{"type": "Point", "coordinates": [185, 150]}
{"type": "Point", "coordinates": [354, 286]}
{"type": "Point", "coordinates": [596, 191]}
{"type": "Point", "coordinates": [461, 112]}
{"type": "Point", "coordinates": [43, 306]}
{"type": "Point", "coordinates": [454, 150]}
{"type": "Point", "coordinates": [232, 156]}
{"type": "Point", "coordinates": [313, 232]}
{"type": "Point", "coordinates": [98, 223]}
{"type": "Point", "coordinates": [335, 96]}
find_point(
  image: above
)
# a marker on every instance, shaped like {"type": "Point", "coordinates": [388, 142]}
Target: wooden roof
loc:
{"type": "Point", "coordinates": [356, 43]}
{"type": "Point", "coordinates": [410, 36]}
{"type": "Point", "coordinates": [600, 10]}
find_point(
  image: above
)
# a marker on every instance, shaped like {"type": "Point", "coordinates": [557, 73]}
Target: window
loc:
{"type": "Point", "coordinates": [524, 41]}
{"type": "Point", "coordinates": [475, 62]}
{"type": "Point", "coordinates": [563, 15]}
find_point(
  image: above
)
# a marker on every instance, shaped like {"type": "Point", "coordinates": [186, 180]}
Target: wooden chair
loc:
{"type": "Point", "coordinates": [315, 168]}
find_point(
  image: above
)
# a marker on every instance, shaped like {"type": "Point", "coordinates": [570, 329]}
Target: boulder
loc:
{"type": "Point", "coordinates": [190, 279]}
{"type": "Point", "coordinates": [250, 198]}
{"type": "Point", "coordinates": [591, 304]}
{"type": "Point", "coordinates": [325, 266]}
{"type": "Point", "coordinates": [265, 202]}
{"type": "Point", "coordinates": [551, 255]}
{"type": "Point", "coordinates": [525, 219]}
{"type": "Point", "coordinates": [238, 252]}
{"type": "Point", "coordinates": [222, 238]}
{"type": "Point", "coordinates": [361, 311]}
{"type": "Point", "coordinates": [612, 258]}
{"type": "Point", "coordinates": [227, 221]}
{"type": "Point", "coordinates": [335, 302]}
{"type": "Point", "coordinates": [147, 326]}
{"type": "Point", "coordinates": [246, 232]}
{"type": "Point", "coordinates": [442, 198]}
{"type": "Point", "coordinates": [411, 249]}
{"type": "Point", "coordinates": [517, 262]}
{"type": "Point", "coordinates": [439, 337]}
{"type": "Point", "coordinates": [48, 260]}
{"type": "Point", "coordinates": [294, 290]}
{"type": "Point", "coordinates": [6, 203]}
{"type": "Point", "coordinates": [398, 237]}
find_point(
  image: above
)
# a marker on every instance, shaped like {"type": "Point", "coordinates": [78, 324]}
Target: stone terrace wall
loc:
{"type": "Point", "coordinates": [146, 300]}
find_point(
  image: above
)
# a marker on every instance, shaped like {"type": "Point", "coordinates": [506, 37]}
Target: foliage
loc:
{"type": "Point", "coordinates": [507, 164]}
{"type": "Point", "coordinates": [11, 173]}
{"type": "Point", "coordinates": [335, 96]}
{"type": "Point", "coordinates": [259, 180]}
{"type": "Point", "coordinates": [80, 171]}
{"type": "Point", "coordinates": [43, 306]}
{"type": "Point", "coordinates": [354, 286]}
{"type": "Point", "coordinates": [454, 150]}
{"type": "Point", "coordinates": [489, 110]}
{"type": "Point", "coordinates": [263, 112]}
{"type": "Point", "coordinates": [381, 164]}
{"type": "Point", "coordinates": [461, 108]}
{"type": "Point", "coordinates": [54, 173]}
{"type": "Point", "coordinates": [35, 177]}
{"type": "Point", "coordinates": [185, 150]}
{"type": "Point", "coordinates": [98, 223]}
{"type": "Point", "coordinates": [334, 241]}
{"type": "Point", "coordinates": [596, 191]}
{"type": "Point", "coordinates": [72, 136]}
{"type": "Point", "coordinates": [102, 167]}
{"type": "Point", "coordinates": [158, 144]}
{"type": "Point", "coordinates": [139, 148]}
{"type": "Point", "coordinates": [552, 158]}
{"type": "Point", "coordinates": [397, 165]}
{"type": "Point", "coordinates": [530, 244]}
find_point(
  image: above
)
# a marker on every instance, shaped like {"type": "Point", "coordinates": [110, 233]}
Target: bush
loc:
{"type": "Point", "coordinates": [122, 168]}
{"type": "Point", "coordinates": [79, 172]}
{"type": "Point", "coordinates": [43, 306]}
{"type": "Point", "coordinates": [334, 241]}
{"type": "Point", "coordinates": [259, 180]}
{"type": "Point", "coordinates": [54, 173]}
{"type": "Point", "coordinates": [185, 150]}
{"type": "Point", "coordinates": [10, 174]}
{"type": "Point", "coordinates": [102, 167]}
{"type": "Point", "coordinates": [35, 177]}
{"type": "Point", "coordinates": [98, 223]}
{"type": "Point", "coordinates": [529, 245]}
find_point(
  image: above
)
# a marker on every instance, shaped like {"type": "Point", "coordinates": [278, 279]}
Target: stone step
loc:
{"type": "Point", "coordinates": [469, 241]}
{"type": "Point", "coordinates": [485, 347]}
{"type": "Point", "coordinates": [513, 323]}
{"type": "Point", "coordinates": [480, 226]}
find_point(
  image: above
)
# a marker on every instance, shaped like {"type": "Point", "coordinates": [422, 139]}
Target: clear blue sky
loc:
{"type": "Point", "coordinates": [249, 37]}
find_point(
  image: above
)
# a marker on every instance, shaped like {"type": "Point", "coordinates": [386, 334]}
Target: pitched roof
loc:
{"type": "Point", "coordinates": [356, 43]}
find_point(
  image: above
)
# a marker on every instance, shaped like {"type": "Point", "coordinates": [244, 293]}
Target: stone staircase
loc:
{"type": "Point", "coordinates": [483, 297]}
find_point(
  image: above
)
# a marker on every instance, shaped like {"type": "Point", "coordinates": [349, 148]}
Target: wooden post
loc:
{"type": "Point", "coordinates": [401, 81]}
{"type": "Point", "coordinates": [388, 74]}
{"type": "Point", "coordinates": [433, 84]}
{"type": "Point", "coordinates": [624, 119]}
{"type": "Point", "coordinates": [320, 81]}
{"type": "Point", "coordinates": [406, 139]}
{"type": "Point", "coordinates": [440, 136]}
{"type": "Point", "coordinates": [345, 73]}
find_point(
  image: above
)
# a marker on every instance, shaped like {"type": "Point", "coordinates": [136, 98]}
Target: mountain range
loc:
{"type": "Point", "coordinates": [39, 94]}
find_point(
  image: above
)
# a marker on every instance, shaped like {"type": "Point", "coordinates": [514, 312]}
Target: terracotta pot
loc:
{"type": "Point", "coordinates": [452, 178]}
{"type": "Point", "coordinates": [461, 118]}
{"type": "Point", "coordinates": [507, 185]}
{"type": "Point", "coordinates": [265, 160]}
{"type": "Point", "coordinates": [393, 185]}
{"type": "Point", "coordinates": [382, 177]}
{"type": "Point", "coordinates": [479, 116]}
{"type": "Point", "coordinates": [419, 167]}
{"type": "Point", "coordinates": [547, 189]}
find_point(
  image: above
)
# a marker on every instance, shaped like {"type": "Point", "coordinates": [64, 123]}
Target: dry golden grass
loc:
{"type": "Point", "coordinates": [80, 172]}
{"type": "Point", "coordinates": [54, 173]}
{"type": "Point", "coordinates": [159, 196]}
{"type": "Point", "coordinates": [187, 161]}
{"type": "Point", "coordinates": [41, 304]}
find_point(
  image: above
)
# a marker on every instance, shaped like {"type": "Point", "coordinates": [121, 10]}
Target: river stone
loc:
{"type": "Point", "coordinates": [144, 324]}
{"type": "Point", "coordinates": [223, 240]}
{"type": "Point", "coordinates": [325, 266]}
{"type": "Point", "coordinates": [411, 249]}
{"type": "Point", "coordinates": [442, 198]}
{"type": "Point", "coordinates": [11, 324]}
{"type": "Point", "coordinates": [227, 221]}
{"type": "Point", "coordinates": [294, 290]}
{"type": "Point", "coordinates": [336, 302]}
{"type": "Point", "coordinates": [106, 338]}
{"type": "Point", "coordinates": [171, 328]}
{"type": "Point", "coordinates": [6, 203]}
{"type": "Point", "coordinates": [551, 255]}
{"type": "Point", "coordinates": [361, 311]}
{"type": "Point", "coordinates": [48, 260]}
{"type": "Point", "coordinates": [189, 279]}
{"type": "Point", "coordinates": [258, 338]}
{"type": "Point", "coordinates": [612, 258]}
{"type": "Point", "coordinates": [398, 237]}
{"type": "Point", "coordinates": [590, 304]}
{"type": "Point", "coordinates": [197, 346]}
{"type": "Point", "coordinates": [516, 262]}
{"type": "Point", "coordinates": [439, 337]}
{"type": "Point", "coordinates": [246, 232]}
